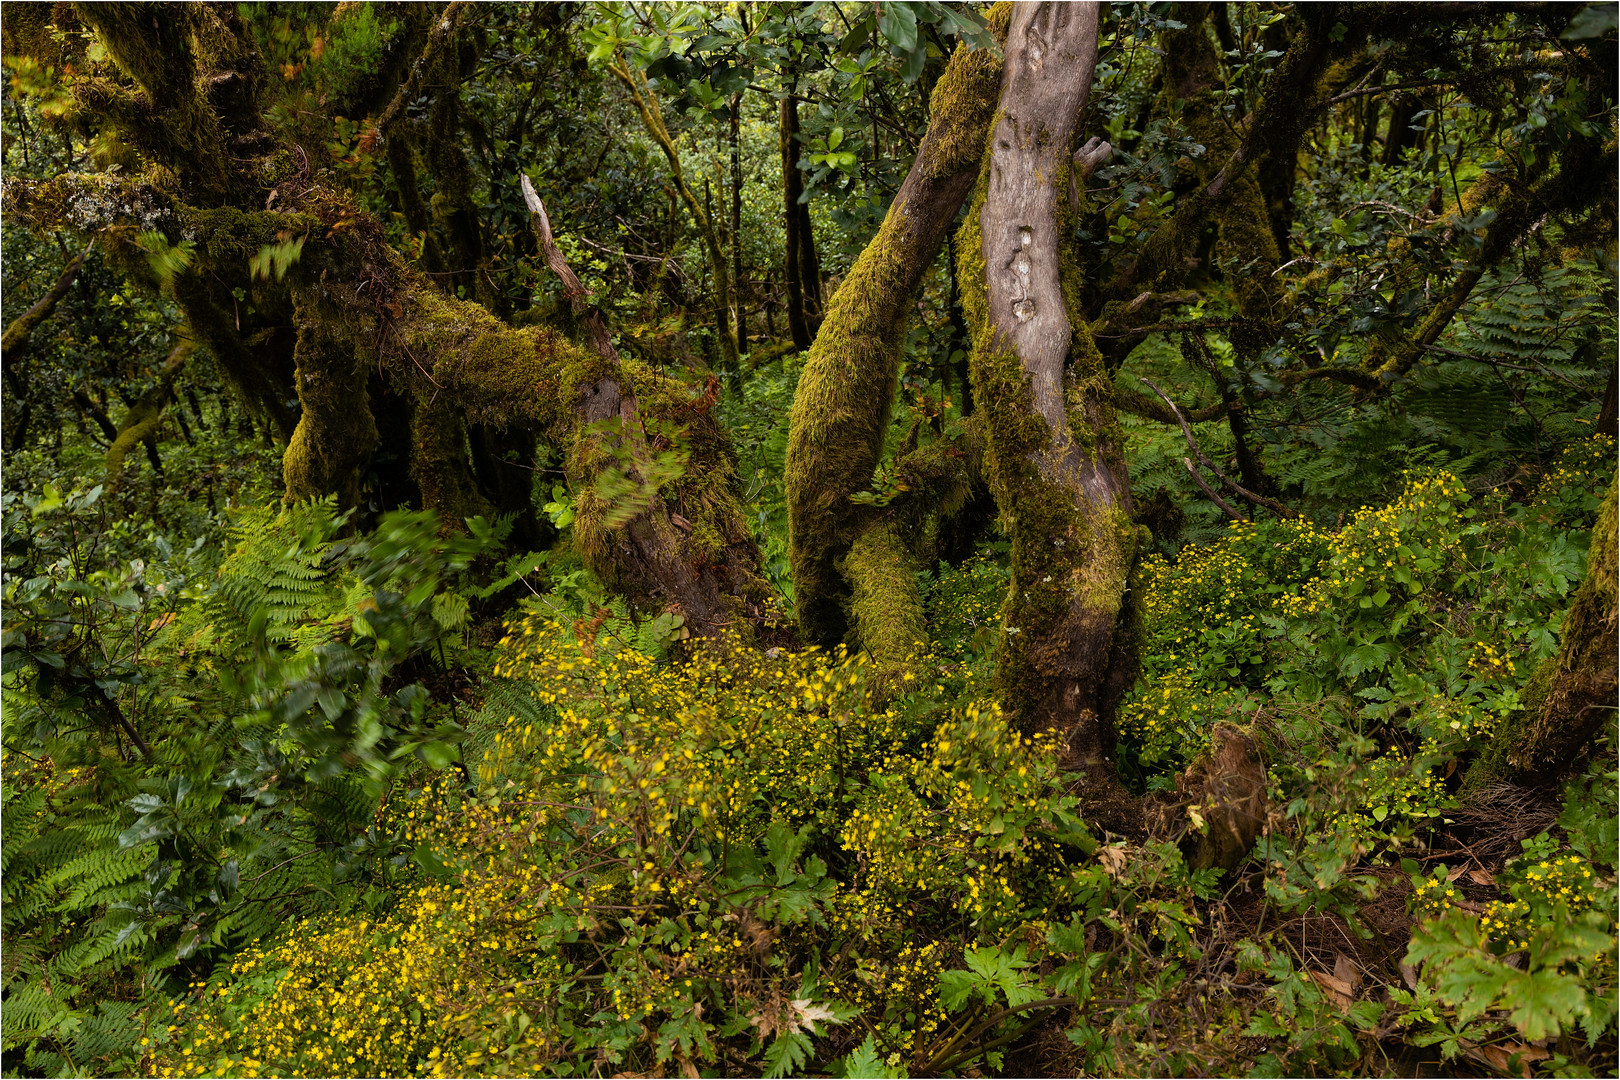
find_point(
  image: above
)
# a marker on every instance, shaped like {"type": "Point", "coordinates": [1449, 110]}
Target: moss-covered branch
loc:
{"type": "Point", "coordinates": [14, 344]}
{"type": "Point", "coordinates": [171, 121]}
{"type": "Point", "coordinates": [842, 407]}
{"type": "Point", "coordinates": [140, 424]}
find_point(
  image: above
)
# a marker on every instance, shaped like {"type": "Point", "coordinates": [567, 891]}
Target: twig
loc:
{"type": "Point", "coordinates": [1186, 429]}
{"type": "Point", "coordinates": [1222, 503]}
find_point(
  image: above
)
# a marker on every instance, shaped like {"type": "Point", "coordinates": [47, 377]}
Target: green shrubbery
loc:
{"type": "Point", "coordinates": [733, 858]}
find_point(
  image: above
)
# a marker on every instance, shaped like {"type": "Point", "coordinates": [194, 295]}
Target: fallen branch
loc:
{"type": "Point", "coordinates": [557, 263]}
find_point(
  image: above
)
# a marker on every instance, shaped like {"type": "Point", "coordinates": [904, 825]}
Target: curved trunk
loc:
{"type": "Point", "coordinates": [842, 406]}
{"type": "Point", "coordinates": [1053, 444]}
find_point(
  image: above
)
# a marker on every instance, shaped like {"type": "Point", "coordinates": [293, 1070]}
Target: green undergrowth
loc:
{"type": "Point", "coordinates": [600, 845]}
{"type": "Point", "coordinates": [729, 860]}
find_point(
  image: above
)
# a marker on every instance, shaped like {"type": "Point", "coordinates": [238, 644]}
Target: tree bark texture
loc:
{"type": "Point", "coordinates": [1054, 454]}
{"type": "Point", "coordinates": [739, 302]}
{"type": "Point", "coordinates": [842, 406]}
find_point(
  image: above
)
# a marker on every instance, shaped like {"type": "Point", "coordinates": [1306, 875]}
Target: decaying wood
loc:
{"type": "Point", "coordinates": [650, 545]}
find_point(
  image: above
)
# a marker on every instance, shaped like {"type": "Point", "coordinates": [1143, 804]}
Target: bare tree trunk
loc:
{"type": "Point", "coordinates": [738, 299]}
{"type": "Point", "coordinates": [792, 189]}
{"type": "Point", "coordinates": [1054, 446]}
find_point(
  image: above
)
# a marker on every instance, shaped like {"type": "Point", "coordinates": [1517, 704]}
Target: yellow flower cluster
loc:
{"type": "Point", "coordinates": [964, 610]}
{"type": "Point", "coordinates": [731, 737]}
{"type": "Point", "coordinates": [1566, 881]}
{"type": "Point", "coordinates": [373, 995]}
{"type": "Point", "coordinates": [1212, 602]}
{"type": "Point", "coordinates": [1567, 491]}
{"type": "Point", "coordinates": [1395, 548]}
{"type": "Point", "coordinates": [1489, 663]}
{"type": "Point", "coordinates": [1388, 794]}
{"type": "Point", "coordinates": [905, 986]}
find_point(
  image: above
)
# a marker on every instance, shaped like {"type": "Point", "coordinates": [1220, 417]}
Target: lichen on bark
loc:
{"type": "Point", "coordinates": [1053, 443]}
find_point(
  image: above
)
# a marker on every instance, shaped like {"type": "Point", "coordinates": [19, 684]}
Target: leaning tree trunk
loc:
{"type": "Point", "coordinates": [1053, 454]}
{"type": "Point", "coordinates": [1573, 695]}
{"type": "Point", "coordinates": [841, 409]}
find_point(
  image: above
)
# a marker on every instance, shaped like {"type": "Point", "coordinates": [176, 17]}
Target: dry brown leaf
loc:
{"type": "Point", "coordinates": [1501, 1057]}
{"type": "Point", "coordinates": [1481, 877]}
{"type": "Point", "coordinates": [1112, 858]}
{"type": "Point", "coordinates": [1346, 971]}
{"type": "Point", "coordinates": [800, 1014]}
{"type": "Point", "coordinates": [1341, 992]}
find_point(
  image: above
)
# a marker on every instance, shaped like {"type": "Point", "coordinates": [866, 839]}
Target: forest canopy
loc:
{"type": "Point", "coordinates": [841, 539]}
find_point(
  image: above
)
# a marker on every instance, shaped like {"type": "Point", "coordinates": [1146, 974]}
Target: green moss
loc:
{"type": "Point", "coordinates": [1572, 695]}
{"type": "Point", "coordinates": [842, 408]}
{"type": "Point", "coordinates": [887, 608]}
{"type": "Point", "coordinates": [140, 424]}
{"type": "Point", "coordinates": [336, 431]}
{"type": "Point", "coordinates": [439, 464]}
{"type": "Point", "coordinates": [1071, 557]}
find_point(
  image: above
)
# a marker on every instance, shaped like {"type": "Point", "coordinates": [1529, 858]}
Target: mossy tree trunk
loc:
{"type": "Point", "coordinates": [1573, 696]}
{"type": "Point", "coordinates": [1246, 244]}
{"type": "Point", "coordinates": [1053, 444]}
{"type": "Point", "coordinates": [737, 272]}
{"type": "Point", "coordinates": [842, 407]}
{"type": "Point", "coordinates": [336, 432]}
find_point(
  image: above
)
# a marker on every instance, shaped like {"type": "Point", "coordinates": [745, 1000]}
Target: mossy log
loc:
{"type": "Point", "coordinates": [351, 312]}
{"type": "Point", "coordinates": [1053, 443]}
{"type": "Point", "coordinates": [843, 403]}
{"type": "Point", "coordinates": [1572, 697]}
{"type": "Point", "coordinates": [687, 543]}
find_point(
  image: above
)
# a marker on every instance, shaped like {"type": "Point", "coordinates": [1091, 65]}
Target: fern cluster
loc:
{"type": "Point", "coordinates": [195, 753]}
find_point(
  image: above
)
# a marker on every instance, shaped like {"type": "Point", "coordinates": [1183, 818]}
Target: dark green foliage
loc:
{"type": "Point", "coordinates": [268, 715]}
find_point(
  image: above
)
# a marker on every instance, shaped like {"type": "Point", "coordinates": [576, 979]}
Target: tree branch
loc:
{"type": "Point", "coordinates": [14, 345]}
{"type": "Point", "coordinates": [1186, 429]}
